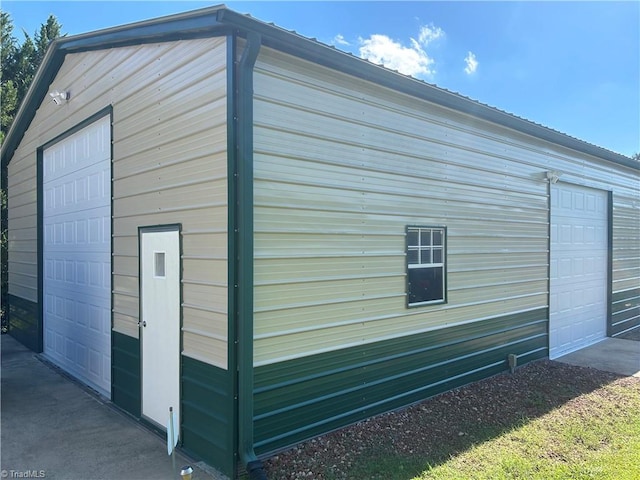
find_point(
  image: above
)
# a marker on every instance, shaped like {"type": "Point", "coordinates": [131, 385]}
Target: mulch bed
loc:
{"type": "Point", "coordinates": [443, 425]}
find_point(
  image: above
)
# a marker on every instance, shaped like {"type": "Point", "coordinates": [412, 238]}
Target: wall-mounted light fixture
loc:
{"type": "Point", "coordinates": [59, 97]}
{"type": "Point", "coordinates": [553, 176]}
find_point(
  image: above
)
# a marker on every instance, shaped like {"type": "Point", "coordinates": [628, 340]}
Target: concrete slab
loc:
{"type": "Point", "coordinates": [611, 355]}
{"type": "Point", "coordinates": [54, 428]}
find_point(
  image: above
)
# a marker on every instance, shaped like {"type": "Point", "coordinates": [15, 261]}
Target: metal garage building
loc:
{"type": "Point", "coordinates": [278, 239]}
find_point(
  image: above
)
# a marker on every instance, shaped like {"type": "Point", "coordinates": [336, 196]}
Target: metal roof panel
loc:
{"type": "Point", "coordinates": [219, 20]}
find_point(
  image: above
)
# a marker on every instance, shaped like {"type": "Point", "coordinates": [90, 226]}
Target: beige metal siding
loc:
{"type": "Point", "coordinates": [22, 222]}
{"type": "Point", "coordinates": [169, 166]}
{"type": "Point", "coordinates": [342, 166]}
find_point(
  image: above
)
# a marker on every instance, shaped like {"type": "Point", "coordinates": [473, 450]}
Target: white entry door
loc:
{"type": "Point", "coordinates": [76, 216]}
{"type": "Point", "coordinates": [578, 298]}
{"type": "Point", "coordinates": [160, 323]}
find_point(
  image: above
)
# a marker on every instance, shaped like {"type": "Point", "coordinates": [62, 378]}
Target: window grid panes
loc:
{"type": "Point", "coordinates": [426, 283]}
{"type": "Point", "coordinates": [425, 246]}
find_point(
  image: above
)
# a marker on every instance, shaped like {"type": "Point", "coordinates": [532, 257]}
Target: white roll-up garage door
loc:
{"type": "Point", "coordinates": [77, 254]}
{"type": "Point", "coordinates": [578, 309]}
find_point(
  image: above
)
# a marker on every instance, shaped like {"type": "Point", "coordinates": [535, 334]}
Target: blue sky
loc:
{"type": "Point", "coordinates": [574, 66]}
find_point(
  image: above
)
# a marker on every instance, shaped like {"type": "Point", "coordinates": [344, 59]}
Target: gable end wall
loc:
{"type": "Point", "coordinates": [169, 104]}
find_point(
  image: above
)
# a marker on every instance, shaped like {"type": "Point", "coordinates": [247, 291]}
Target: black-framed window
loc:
{"type": "Point", "coordinates": [426, 265]}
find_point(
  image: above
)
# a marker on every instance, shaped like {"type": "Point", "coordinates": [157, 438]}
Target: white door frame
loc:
{"type": "Point", "coordinates": [160, 322]}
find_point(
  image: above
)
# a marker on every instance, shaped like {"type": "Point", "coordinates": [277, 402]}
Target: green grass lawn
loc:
{"type": "Point", "coordinates": [593, 436]}
{"type": "Point", "coordinates": [546, 421]}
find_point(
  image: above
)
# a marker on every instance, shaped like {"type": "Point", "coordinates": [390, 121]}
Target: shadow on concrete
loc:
{"type": "Point", "coordinates": [54, 428]}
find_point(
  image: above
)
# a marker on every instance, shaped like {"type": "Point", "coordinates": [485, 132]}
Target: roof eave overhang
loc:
{"type": "Point", "coordinates": [219, 21]}
{"type": "Point", "coordinates": [331, 57]}
{"type": "Point", "coordinates": [195, 24]}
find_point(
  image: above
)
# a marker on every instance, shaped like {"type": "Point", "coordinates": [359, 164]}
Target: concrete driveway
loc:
{"type": "Point", "coordinates": [54, 428]}
{"type": "Point", "coordinates": [611, 355]}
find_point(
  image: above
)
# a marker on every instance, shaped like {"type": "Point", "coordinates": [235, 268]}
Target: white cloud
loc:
{"type": "Point", "coordinates": [411, 60]}
{"type": "Point", "coordinates": [472, 63]}
{"type": "Point", "coordinates": [382, 50]}
{"type": "Point", "coordinates": [429, 33]}
{"type": "Point", "coordinates": [339, 40]}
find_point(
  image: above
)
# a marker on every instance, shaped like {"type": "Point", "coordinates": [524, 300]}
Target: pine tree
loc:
{"type": "Point", "coordinates": [18, 65]}
{"type": "Point", "coordinates": [8, 90]}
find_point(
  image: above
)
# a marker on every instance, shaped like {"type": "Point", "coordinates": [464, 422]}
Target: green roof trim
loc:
{"type": "Point", "coordinates": [291, 42]}
{"type": "Point", "coordinates": [219, 20]}
{"type": "Point", "coordinates": [189, 25]}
